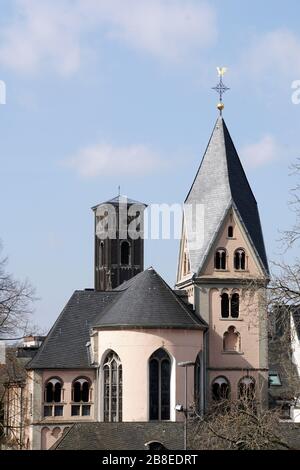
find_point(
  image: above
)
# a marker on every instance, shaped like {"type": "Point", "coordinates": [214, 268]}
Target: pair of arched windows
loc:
{"type": "Point", "coordinates": [54, 397]}
{"type": "Point", "coordinates": [221, 389]}
{"type": "Point", "coordinates": [230, 306]}
{"type": "Point", "coordinates": [239, 259]}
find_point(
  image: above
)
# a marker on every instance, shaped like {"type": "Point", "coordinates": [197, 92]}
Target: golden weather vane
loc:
{"type": "Point", "coordinates": [221, 88]}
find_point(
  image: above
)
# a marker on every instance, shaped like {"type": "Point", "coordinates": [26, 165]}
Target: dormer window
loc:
{"type": "Point", "coordinates": [220, 259]}
{"type": "Point", "coordinates": [240, 260]}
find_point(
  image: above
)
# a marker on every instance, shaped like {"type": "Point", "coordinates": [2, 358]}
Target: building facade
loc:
{"type": "Point", "coordinates": [115, 351]}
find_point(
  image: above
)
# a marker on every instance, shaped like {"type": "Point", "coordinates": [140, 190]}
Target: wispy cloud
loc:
{"type": "Point", "coordinates": [273, 55]}
{"type": "Point", "coordinates": [108, 160]}
{"type": "Point", "coordinates": [52, 33]}
{"type": "Point", "coordinates": [261, 153]}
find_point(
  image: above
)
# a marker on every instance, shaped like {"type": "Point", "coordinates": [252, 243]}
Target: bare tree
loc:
{"type": "Point", "coordinates": [16, 301]}
{"type": "Point", "coordinates": [237, 425]}
{"type": "Point", "coordinates": [15, 304]}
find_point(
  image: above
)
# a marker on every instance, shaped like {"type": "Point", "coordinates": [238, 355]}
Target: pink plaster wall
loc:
{"type": "Point", "coordinates": [134, 348]}
{"type": "Point", "coordinates": [239, 240]}
{"type": "Point", "coordinates": [68, 376]}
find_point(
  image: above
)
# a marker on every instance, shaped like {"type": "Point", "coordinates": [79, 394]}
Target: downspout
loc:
{"type": "Point", "coordinates": [204, 372]}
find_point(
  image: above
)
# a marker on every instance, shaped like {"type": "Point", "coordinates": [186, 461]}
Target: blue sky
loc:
{"type": "Point", "coordinates": [91, 81]}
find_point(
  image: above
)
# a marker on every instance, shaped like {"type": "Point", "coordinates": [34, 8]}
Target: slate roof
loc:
{"type": "Point", "coordinates": [65, 346]}
{"type": "Point", "coordinates": [221, 183]}
{"type": "Point", "coordinates": [147, 301]}
{"type": "Point", "coordinates": [120, 200]}
{"type": "Point", "coordinates": [121, 436]}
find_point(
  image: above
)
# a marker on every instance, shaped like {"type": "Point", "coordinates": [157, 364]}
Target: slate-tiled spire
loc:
{"type": "Point", "coordinates": [221, 183]}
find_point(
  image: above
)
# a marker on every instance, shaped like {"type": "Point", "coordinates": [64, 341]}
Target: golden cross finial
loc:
{"type": "Point", "coordinates": [221, 88]}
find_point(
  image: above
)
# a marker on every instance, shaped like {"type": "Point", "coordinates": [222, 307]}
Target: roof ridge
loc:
{"type": "Point", "coordinates": [181, 303]}
{"type": "Point", "coordinates": [228, 135]}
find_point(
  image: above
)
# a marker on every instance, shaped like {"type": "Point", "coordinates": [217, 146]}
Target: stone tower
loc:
{"type": "Point", "coordinates": [223, 267]}
{"type": "Point", "coordinates": [119, 242]}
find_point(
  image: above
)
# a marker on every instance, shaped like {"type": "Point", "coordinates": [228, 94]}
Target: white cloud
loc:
{"type": "Point", "coordinates": [273, 55]}
{"type": "Point", "coordinates": [261, 153]}
{"type": "Point", "coordinates": [107, 160]}
{"type": "Point", "coordinates": [166, 29]}
{"type": "Point", "coordinates": [52, 33]}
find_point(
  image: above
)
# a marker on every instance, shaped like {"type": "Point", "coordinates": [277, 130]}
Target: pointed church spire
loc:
{"type": "Point", "coordinates": [220, 184]}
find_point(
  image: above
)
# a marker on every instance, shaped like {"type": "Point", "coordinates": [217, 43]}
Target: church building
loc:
{"type": "Point", "coordinates": [126, 350]}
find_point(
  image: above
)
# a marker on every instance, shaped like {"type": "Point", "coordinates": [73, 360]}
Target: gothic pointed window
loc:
{"type": "Point", "coordinates": [225, 305]}
{"type": "Point", "coordinates": [220, 259]}
{"type": "Point", "coordinates": [113, 387]}
{"type": "Point", "coordinates": [240, 260]}
{"type": "Point", "coordinates": [220, 389]}
{"type": "Point", "coordinates": [235, 305]}
{"type": "Point", "coordinates": [159, 385]}
{"type": "Point", "coordinates": [125, 253]}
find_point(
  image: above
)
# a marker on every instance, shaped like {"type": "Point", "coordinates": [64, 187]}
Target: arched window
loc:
{"type": "Point", "coordinates": [232, 340]}
{"type": "Point", "coordinates": [225, 305]}
{"type": "Point", "coordinates": [81, 394]}
{"type": "Point", "coordinates": [125, 253]}
{"type": "Point", "coordinates": [240, 260]}
{"type": "Point", "coordinates": [113, 381]}
{"type": "Point", "coordinates": [197, 382]}
{"type": "Point", "coordinates": [247, 388]}
{"type": "Point", "coordinates": [53, 394]}
{"type": "Point", "coordinates": [81, 390]}
{"type": "Point", "coordinates": [235, 305]}
{"type": "Point", "coordinates": [159, 385]}
{"type": "Point", "coordinates": [220, 258]}
{"type": "Point", "coordinates": [220, 389]}
{"type": "Point", "coordinates": [230, 231]}
{"type": "Point", "coordinates": [53, 391]}
{"type": "Point", "coordinates": [155, 446]}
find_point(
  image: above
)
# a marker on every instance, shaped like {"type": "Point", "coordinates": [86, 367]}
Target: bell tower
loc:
{"type": "Point", "coordinates": [119, 242]}
{"type": "Point", "coordinates": [223, 267]}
